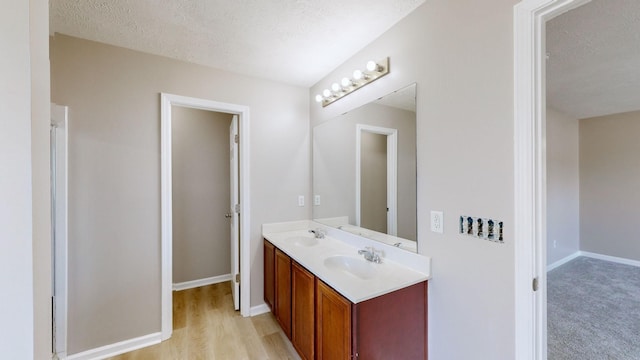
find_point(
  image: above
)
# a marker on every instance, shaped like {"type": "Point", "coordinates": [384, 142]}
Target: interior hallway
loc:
{"type": "Point", "coordinates": [206, 327]}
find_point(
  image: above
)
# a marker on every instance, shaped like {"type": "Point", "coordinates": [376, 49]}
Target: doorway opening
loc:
{"type": "Point", "coordinates": [238, 211]}
{"type": "Point", "coordinates": [204, 190]}
{"type": "Point", "coordinates": [377, 159]}
{"type": "Point", "coordinates": [530, 204]}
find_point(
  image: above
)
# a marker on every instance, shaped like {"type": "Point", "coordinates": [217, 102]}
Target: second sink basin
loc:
{"type": "Point", "coordinates": [357, 267]}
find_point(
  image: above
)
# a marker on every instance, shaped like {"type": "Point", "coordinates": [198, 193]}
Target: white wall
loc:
{"type": "Point", "coordinates": [460, 54]}
{"type": "Point", "coordinates": [563, 186]}
{"type": "Point", "coordinates": [113, 96]}
{"type": "Point", "coordinates": [609, 181]}
{"type": "Point", "coordinates": [200, 186]}
{"type": "Point", "coordinates": [16, 257]}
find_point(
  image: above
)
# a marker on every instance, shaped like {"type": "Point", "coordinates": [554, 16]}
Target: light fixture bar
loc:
{"type": "Point", "coordinates": [360, 78]}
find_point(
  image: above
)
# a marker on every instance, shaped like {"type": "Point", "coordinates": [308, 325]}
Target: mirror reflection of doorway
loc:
{"type": "Point", "coordinates": [373, 171]}
{"type": "Point", "coordinates": [376, 178]}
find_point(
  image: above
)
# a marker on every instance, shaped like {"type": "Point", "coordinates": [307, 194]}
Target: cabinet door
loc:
{"type": "Point", "coordinates": [269, 274]}
{"type": "Point", "coordinates": [303, 295]}
{"type": "Point", "coordinates": [333, 324]}
{"type": "Point", "coordinates": [283, 291]}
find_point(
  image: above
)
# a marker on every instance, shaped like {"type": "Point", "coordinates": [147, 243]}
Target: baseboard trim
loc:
{"type": "Point", "coordinates": [260, 309]}
{"type": "Point", "coordinates": [615, 259]}
{"type": "Point", "coordinates": [201, 282]}
{"type": "Point", "coordinates": [563, 261]}
{"type": "Point", "coordinates": [122, 347]}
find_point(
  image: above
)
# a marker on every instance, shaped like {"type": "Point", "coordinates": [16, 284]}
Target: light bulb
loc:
{"type": "Point", "coordinates": [335, 87]}
{"type": "Point", "coordinates": [346, 82]}
{"type": "Point", "coordinates": [318, 98]}
{"type": "Point", "coordinates": [357, 74]}
{"type": "Point", "coordinates": [372, 66]}
{"type": "Point", "coordinates": [326, 93]}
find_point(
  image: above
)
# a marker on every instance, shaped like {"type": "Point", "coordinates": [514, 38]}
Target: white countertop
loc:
{"type": "Point", "coordinates": [389, 275]}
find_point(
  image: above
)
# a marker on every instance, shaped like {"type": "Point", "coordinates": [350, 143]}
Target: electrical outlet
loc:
{"type": "Point", "coordinates": [437, 222]}
{"type": "Point", "coordinates": [316, 200]}
{"type": "Point", "coordinates": [301, 200]}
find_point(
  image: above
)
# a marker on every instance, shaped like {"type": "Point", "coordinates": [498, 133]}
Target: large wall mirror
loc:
{"type": "Point", "coordinates": [364, 170]}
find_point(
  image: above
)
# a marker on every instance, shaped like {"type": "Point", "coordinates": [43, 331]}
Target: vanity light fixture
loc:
{"type": "Point", "coordinates": [373, 71]}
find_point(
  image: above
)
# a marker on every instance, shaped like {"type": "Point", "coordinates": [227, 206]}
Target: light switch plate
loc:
{"type": "Point", "coordinates": [301, 200]}
{"type": "Point", "coordinates": [437, 222]}
{"type": "Point", "coordinates": [316, 200]}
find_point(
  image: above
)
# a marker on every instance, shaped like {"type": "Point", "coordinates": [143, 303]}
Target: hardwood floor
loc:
{"type": "Point", "coordinates": [206, 327]}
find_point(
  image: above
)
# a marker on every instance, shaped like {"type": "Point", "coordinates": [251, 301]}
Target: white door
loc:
{"type": "Point", "coordinates": [235, 214]}
{"type": "Point", "coordinates": [59, 131]}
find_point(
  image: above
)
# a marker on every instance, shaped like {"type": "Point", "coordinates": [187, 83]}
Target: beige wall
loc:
{"type": "Point", "coordinates": [563, 186]}
{"type": "Point", "coordinates": [114, 176]}
{"type": "Point", "coordinates": [40, 164]}
{"type": "Point", "coordinates": [460, 53]}
{"type": "Point", "coordinates": [334, 157]}
{"type": "Point", "coordinates": [609, 180]}
{"type": "Point", "coordinates": [17, 270]}
{"type": "Point", "coordinates": [200, 184]}
{"type": "Point", "coordinates": [373, 180]}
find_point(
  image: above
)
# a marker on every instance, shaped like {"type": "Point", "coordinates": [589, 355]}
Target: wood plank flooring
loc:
{"type": "Point", "coordinates": [205, 327]}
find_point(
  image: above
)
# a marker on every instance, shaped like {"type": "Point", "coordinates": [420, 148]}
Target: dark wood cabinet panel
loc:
{"type": "Point", "coordinates": [283, 291]}
{"type": "Point", "coordinates": [333, 324]}
{"type": "Point", "coordinates": [392, 326]}
{"type": "Point", "coordinates": [303, 311]}
{"type": "Point", "coordinates": [269, 274]}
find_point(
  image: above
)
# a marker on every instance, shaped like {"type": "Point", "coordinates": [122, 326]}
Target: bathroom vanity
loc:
{"type": "Point", "coordinates": [332, 303]}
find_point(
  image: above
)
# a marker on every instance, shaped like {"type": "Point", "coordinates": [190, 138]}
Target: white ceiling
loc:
{"type": "Point", "coordinates": [594, 59]}
{"type": "Point", "coordinates": [292, 41]}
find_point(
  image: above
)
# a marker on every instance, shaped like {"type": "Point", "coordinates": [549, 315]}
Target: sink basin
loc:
{"type": "Point", "coordinates": [303, 240]}
{"type": "Point", "coordinates": [357, 267]}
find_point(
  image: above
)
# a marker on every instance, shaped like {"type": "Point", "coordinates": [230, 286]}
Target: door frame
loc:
{"type": "Point", "coordinates": [234, 199]}
{"type": "Point", "coordinates": [167, 101]}
{"type": "Point", "coordinates": [530, 204]}
{"type": "Point", "coordinates": [392, 173]}
{"type": "Point", "coordinates": [59, 226]}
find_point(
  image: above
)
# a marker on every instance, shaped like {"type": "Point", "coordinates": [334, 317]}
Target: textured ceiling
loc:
{"type": "Point", "coordinates": [292, 41]}
{"type": "Point", "coordinates": [594, 59]}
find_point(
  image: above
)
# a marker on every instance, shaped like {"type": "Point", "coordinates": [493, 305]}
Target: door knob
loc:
{"type": "Point", "coordinates": [228, 215]}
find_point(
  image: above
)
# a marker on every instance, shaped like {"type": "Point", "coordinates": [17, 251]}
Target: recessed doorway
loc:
{"type": "Point", "coordinates": [377, 178]}
{"type": "Point", "coordinates": [239, 218]}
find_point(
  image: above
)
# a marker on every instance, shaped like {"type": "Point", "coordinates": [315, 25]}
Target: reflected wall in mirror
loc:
{"type": "Point", "coordinates": [364, 170]}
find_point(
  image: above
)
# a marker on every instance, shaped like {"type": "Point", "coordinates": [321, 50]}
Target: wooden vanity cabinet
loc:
{"type": "Point", "coordinates": [283, 291]}
{"type": "Point", "coordinates": [269, 274]}
{"type": "Point", "coordinates": [324, 325]}
{"type": "Point", "coordinates": [303, 311]}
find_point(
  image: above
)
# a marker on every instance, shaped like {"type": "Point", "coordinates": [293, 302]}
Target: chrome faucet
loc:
{"type": "Point", "coordinates": [318, 233]}
{"type": "Point", "coordinates": [371, 254]}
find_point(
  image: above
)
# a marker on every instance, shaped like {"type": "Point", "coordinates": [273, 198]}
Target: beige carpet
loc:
{"type": "Point", "coordinates": [593, 311]}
